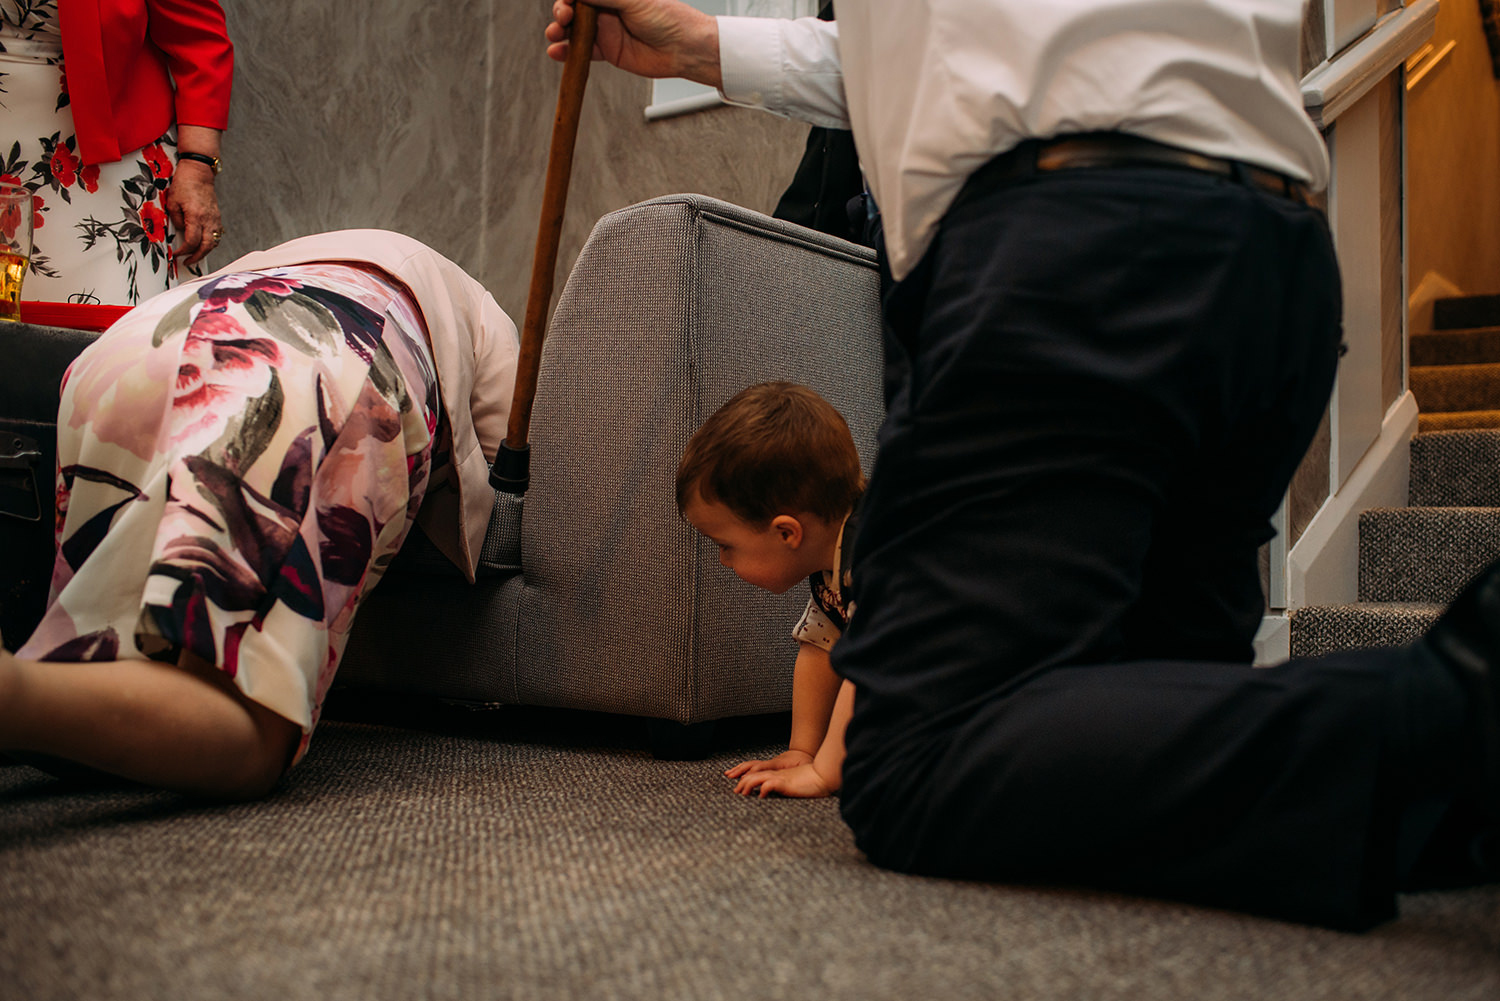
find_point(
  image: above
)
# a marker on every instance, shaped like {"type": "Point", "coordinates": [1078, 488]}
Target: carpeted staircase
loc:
{"type": "Point", "coordinates": [1414, 560]}
{"type": "Point", "coordinates": [1455, 367]}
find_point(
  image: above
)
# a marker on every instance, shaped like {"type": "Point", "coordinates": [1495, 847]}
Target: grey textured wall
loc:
{"type": "Point", "coordinates": [434, 120]}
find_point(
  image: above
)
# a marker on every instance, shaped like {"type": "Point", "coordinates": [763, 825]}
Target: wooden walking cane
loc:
{"type": "Point", "coordinates": [512, 469]}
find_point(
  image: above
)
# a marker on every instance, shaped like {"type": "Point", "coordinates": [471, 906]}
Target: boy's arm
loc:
{"type": "Point", "coordinates": [814, 690]}
{"type": "Point", "coordinates": [825, 774]}
{"type": "Point", "coordinates": [829, 762]}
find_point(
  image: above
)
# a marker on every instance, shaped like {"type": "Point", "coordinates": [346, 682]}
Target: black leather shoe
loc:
{"type": "Point", "coordinates": [1466, 639]}
{"type": "Point", "coordinates": [1464, 850]}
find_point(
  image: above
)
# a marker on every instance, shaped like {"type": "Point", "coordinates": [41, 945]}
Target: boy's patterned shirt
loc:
{"type": "Point", "coordinates": [829, 608]}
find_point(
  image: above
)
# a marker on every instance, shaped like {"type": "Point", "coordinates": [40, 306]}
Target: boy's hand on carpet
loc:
{"type": "Point", "coordinates": [786, 759]}
{"type": "Point", "coordinates": [803, 782]}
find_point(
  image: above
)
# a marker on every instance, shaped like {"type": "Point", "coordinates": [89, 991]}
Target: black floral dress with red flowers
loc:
{"type": "Point", "coordinates": [100, 230]}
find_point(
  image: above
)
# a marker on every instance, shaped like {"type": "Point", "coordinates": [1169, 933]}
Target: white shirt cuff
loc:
{"type": "Point", "coordinates": [789, 68]}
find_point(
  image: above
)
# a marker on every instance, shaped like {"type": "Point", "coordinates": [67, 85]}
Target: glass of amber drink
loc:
{"type": "Point", "coordinates": [15, 247]}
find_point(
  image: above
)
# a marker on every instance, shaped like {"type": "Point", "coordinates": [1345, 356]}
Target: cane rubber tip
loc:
{"type": "Point", "coordinates": [512, 469]}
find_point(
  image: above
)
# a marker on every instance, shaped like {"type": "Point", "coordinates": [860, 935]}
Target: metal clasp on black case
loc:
{"type": "Point", "coordinates": [20, 488]}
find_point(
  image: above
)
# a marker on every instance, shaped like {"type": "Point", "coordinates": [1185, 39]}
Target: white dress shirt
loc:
{"type": "Point", "coordinates": [934, 88]}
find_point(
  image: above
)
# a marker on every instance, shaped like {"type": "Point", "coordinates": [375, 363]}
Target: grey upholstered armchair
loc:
{"type": "Point", "coordinates": [594, 594]}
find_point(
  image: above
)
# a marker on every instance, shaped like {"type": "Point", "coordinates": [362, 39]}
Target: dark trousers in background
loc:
{"type": "Point", "coordinates": [1110, 377]}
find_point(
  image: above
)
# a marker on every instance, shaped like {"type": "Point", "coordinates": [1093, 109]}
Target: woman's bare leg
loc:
{"type": "Point", "coordinates": [182, 727]}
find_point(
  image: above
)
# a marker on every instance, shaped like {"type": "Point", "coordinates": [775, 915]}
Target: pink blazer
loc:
{"type": "Point", "coordinates": [474, 346]}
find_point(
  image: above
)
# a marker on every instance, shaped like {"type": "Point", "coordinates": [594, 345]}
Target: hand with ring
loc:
{"type": "Point", "coordinates": [192, 203]}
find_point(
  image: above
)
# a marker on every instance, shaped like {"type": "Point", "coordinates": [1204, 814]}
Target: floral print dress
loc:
{"type": "Point", "coordinates": [239, 459]}
{"type": "Point", "coordinates": [101, 232]}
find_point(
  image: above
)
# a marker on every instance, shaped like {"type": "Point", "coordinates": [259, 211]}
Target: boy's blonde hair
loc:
{"type": "Point", "coordinates": [774, 448]}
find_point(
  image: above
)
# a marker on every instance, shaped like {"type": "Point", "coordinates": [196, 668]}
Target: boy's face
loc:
{"type": "Point", "coordinates": [770, 558]}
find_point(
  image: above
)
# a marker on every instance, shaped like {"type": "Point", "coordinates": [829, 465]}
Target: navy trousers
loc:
{"type": "Point", "coordinates": [1107, 379]}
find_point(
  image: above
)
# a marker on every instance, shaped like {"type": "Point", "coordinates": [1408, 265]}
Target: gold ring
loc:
{"type": "Point", "coordinates": [216, 235]}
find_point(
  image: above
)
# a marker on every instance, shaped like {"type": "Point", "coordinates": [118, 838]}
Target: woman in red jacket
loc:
{"type": "Point", "coordinates": [111, 113]}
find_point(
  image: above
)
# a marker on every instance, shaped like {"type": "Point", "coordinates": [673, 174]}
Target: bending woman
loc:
{"type": "Point", "coordinates": [239, 459]}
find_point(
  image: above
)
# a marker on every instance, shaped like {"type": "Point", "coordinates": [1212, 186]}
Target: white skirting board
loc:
{"type": "Point", "coordinates": [1323, 567]}
{"type": "Point", "coordinates": [1273, 640]}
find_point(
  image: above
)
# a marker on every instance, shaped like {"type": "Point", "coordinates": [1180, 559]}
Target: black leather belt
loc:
{"type": "Point", "coordinates": [1116, 149]}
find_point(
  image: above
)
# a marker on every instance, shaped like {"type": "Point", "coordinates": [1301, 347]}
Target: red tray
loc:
{"type": "Point", "coordinates": [75, 315]}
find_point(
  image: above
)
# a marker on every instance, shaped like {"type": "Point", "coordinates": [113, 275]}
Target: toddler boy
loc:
{"type": "Point", "coordinates": [772, 479]}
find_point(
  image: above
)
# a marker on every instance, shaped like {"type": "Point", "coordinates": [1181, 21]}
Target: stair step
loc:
{"type": "Point", "coordinates": [1424, 553]}
{"type": "Point", "coordinates": [1456, 387]}
{"type": "Point", "coordinates": [1459, 311]}
{"type": "Point", "coordinates": [1455, 469]}
{"type": "Point", "coordinates": [1459, 420]}
{"type": "Point", "coordinates": [1456, 347]}
{"type": "Point", "coordinates": [1320, 629]}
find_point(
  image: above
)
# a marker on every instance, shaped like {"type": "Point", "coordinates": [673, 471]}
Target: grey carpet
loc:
{"type": "Point", "coordinates": [1455, 387]}
{"type": "Point", "coordinates": [1414, 560]}
{"type": "Point", "coordinates": [1458, 420]}
{"type": "Point", "coordinates": [1320, 629]}
{"type": "Point", "coordinates": [1456, 469]}
{"type": "Point", "coordinates": [1455, 347]}
{"type": "Point", "coordinates": [1424, 553]}
{"type": "Point", "coordinates": [1457, 312]}
{"type": "Point", "coordinates": [544, 856]}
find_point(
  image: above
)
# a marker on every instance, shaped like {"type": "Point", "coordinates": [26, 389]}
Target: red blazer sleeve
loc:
{"type": "Point", "coordinates": [193, 37]}
{"type": "Point", "coordinates": [136, 66]}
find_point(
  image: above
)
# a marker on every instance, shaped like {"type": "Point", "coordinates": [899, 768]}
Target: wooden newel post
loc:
{"type": "Point", "coordinates": [511, 471]}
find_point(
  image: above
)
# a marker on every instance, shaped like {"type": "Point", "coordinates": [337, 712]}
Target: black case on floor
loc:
{"type": "Point", "coordinates": [32, 362]}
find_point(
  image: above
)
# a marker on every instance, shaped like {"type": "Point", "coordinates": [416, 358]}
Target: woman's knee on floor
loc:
{"type": "Point", "coordinates": [267, 759]}
{"type": "Point", "coordinates": [255, 751]}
